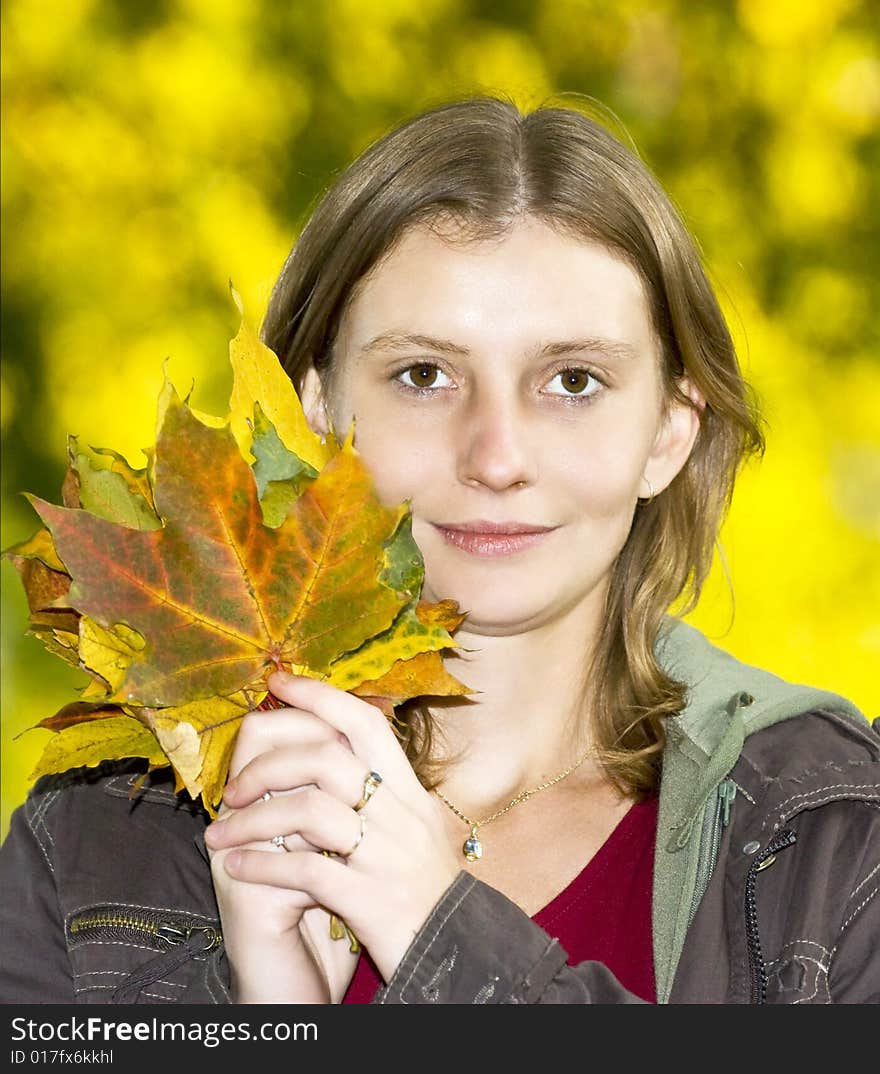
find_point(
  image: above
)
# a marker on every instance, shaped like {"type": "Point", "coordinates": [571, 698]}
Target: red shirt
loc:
{"type": "Point", "coordinates": [604, 914]}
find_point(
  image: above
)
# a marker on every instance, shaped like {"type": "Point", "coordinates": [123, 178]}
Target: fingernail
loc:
{"type": "Point", "coordinates": [231, 789]}
{"type": "Point", "coordinates": [233, 861]}
{"type": "Point", "coordinates": [213, 832]}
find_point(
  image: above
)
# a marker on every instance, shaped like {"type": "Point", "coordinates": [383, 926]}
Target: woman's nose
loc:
{"type": "Point", "coordinates": [494, 446]}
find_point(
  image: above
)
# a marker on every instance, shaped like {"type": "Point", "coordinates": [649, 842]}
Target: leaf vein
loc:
{"type": "Point", "coordinates": [317, 562]}
{"type": "Point", "coordinates": [185, 610]}
{"type": "Point", "coordinates": [245, 572]}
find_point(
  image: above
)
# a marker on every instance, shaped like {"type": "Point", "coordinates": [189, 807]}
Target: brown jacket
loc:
{"type": "Point", "coordinates": [790, 915]}
{"type": "Point", "coordinates": [766, 876]}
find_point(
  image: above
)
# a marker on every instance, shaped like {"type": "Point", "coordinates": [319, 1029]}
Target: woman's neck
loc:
{"type": "Point", "coordinates": [528, 718]}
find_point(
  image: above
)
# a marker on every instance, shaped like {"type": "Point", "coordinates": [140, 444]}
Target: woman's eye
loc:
{"type": "Point", "coordinates": [423, 375]}
{"type": "Point", "coordinates": [574, 382]}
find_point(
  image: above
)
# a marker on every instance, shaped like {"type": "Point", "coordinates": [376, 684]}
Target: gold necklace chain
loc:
{"type": "Point", "coordinates": [472, 848]}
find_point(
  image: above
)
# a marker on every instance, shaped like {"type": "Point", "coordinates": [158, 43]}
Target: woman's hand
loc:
{"type": "Point", "coordinates": [390, 860]}
{"type": "Point", "coordinates": [277, 939]}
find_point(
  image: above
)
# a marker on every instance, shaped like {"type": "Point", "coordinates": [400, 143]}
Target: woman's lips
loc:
{"type": "Point", "coordinates": [493, 538]}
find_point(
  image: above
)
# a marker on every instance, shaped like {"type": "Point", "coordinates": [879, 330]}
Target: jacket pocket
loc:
{"type": "Point", "coordinates": [122, 953]}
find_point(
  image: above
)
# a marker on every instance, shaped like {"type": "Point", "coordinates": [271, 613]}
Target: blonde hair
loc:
{"type": "Point", "coordinates": [483, 163]}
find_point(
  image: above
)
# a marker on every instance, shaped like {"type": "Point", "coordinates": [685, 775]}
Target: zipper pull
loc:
{"type": "Point", "coordinates": [173, 936]}
{"type": "Point", "coordinates": [726, 793]}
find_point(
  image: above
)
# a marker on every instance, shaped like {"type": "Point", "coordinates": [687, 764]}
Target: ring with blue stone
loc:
{"type": "Point", "coordinates": [371, 782]}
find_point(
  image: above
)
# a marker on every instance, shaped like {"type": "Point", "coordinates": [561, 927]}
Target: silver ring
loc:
{"type": "Point", "coordinates": [371, 782]}
{"type": "Point", "coordinates": [278, 841]}
{"type": "Point", "coordinates": [267, 797]}
{"type": "Point", "coordinates": [357, 841]}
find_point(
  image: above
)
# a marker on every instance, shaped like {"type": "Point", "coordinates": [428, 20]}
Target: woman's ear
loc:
{"type": "Point", "coordinates": [313, 402]}
{"type": "Point", "coordinates": [675, 438]}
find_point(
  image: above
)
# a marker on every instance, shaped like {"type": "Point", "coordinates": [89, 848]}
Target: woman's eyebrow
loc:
{"type": "Point", "coordinates": [401, 340]}
{"type": "Point", "coordinates": [613, 348]}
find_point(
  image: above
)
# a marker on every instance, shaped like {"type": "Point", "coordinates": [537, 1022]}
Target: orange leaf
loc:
{"type": "Point", "coordinates": [421, 675]}
{"type": "Point", "coordinates": [219, 598]}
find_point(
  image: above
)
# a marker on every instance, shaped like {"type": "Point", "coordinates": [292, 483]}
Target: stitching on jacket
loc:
{"type": "Point", "coordinates": [212, 977]}
{"type": "Point", "coordinates": [852, 894]}
{"type": "Point", "coordinates": [528, 985]}
{"type": "Point", "coordinates": [487, 991]}
{"type": "Point", "coordinates": [121, 786]}
{"type": "Point", "coordinates": [108, 987]}
{"type": "Point", "coordinates": [854, 914]}
{"type": "Point", "coordinates": [835, 768]}
{"type": "Point", "coordinates": [115, 943]}
{"type": "Point", "coordinates": [207, 981]}
{"type": "Point", "coordinates": [105, 988]}
{"type": "Point", "coordinates": [431, 991]}
{"type": "Point", "coordinates": [822, 969]}
{"type": "Point", "coordinates": [859, 908]}
{"type": "Point", "coordinates": [827, 787]}
{"type": "Point", "coordinates": [37, 820]}
{"type": "Point", "coordinates": [117, 973]}
{"type": "Point", "coordinates": [815, 992]}
{"type": "Point", "coordinates": [794, 943]}
{"type": "Point", "coordinates": [741, 790]}
{"type": "Point", "coordinates": [224, 991]}
{"type": "Point", "coordinates": [101, 973]}
{"type": "Point", "coordinates": [127, 782]}
{"type": "Point", "coordinates": [468, 888]}
{"type": "Point", "coordinates": [840, 790]}
{"type": "Point", "coordinates": [211, 971]}
{"type": "Point", "coordinates": [38, 817]}
{"type": "Point", "coordinates": [125, 943]}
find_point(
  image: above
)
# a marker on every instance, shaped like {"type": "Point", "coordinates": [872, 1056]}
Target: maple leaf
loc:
{"type": "Point", "coordinates": [241, 547]}
{"type": "Point", "coordinates": [219, 598]}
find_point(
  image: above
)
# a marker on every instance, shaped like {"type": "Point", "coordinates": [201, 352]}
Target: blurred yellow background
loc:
{"type": "Point", "coordinates": [154, 151]}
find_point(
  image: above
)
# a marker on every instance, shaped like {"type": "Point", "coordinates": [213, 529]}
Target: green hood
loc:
{"type": "Point", "coordinates": [727, 701]}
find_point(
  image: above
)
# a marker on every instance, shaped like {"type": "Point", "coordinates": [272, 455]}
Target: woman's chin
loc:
{"type": "Point", "coordinates": [496, 615]}
{"type": "Point", "coordinates": [493, 608]}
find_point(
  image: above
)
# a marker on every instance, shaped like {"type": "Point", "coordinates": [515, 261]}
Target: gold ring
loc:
{"type": "Point", "coordinates": [278, 841]}
{"type": "Point", "coordinates": [371, 782]}
{"type": "Point", "coordinates": [357, 841]}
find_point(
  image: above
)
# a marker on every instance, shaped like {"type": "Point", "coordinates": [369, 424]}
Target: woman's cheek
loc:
{"type": "Point", "coordinates": [604, 474]}
{"type": "Point", "coordinates": [402, 466]}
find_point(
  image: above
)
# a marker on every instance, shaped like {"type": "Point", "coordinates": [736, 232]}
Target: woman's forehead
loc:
{"type": "Point", "coordinates": [531, 279]}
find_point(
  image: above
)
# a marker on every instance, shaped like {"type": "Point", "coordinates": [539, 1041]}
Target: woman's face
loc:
{"type": "Point", "coordinates": [511, 391]}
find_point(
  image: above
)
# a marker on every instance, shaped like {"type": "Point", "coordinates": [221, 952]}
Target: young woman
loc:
{"type": "Point", "coordinates": [517, 322]}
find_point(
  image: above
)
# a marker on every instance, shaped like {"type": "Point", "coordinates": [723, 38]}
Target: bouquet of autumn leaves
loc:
{"type": "Point", "coordinates": [246, 544]}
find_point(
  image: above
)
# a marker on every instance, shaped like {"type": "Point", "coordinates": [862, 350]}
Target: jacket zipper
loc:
{"type": "Point", "coordinates": [164, 931]}
{"type": "Point", "coordinates": [725, 795]}
{"type": "Point", "coordinates": [757, 966]}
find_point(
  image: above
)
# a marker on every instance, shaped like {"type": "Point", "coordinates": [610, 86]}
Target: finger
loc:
{"type": "Point", "coordinates": [328, 764]}
{"type": "Point", "coordinates": [225, 813]}
{"type": "Point", "coordinates": [262, 731]}
{"type": "Point", "coordinates": [231, 886]}
{"type": "Point", "coordinates": [318, 818]}
{"type": "Point", "coordinates": [326, 880]}
{"type": "Point", "coordinates": [365, 726]}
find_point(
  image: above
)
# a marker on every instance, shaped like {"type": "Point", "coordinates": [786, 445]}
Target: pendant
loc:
{"type": "Point", "coordinates": [472, 847]}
